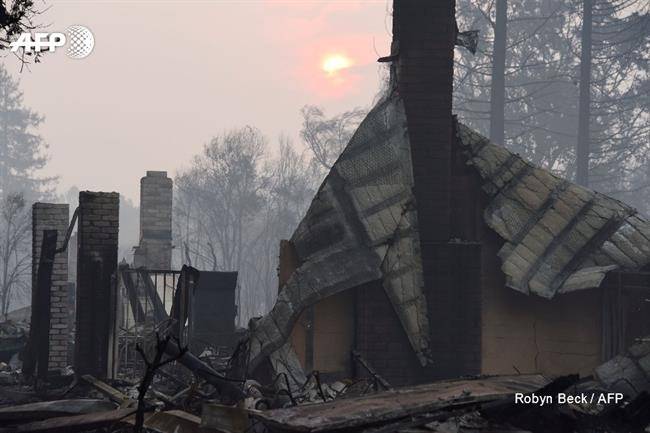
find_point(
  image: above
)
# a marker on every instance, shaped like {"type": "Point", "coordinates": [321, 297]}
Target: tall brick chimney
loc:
{"type": "Point", "coordinates": [155, 249]}
{"type": "Point", "coordinates": [424, 33]}
{"type": "Point", "coordinates": [97, 232]}
{"type": "Point", "coordinates": [49, 216]}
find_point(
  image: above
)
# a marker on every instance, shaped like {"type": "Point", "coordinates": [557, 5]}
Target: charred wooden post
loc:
{"type": "Point", "coordinates": [230, 390]}
{"type": "Point", "coordinates": [159, 312]}
{"type": "Point", "coordinates": [132, 294]}
{"type": "Point", "coordinates": [37, 359]}
{"type": "Point", "coordinates": [180, 308]}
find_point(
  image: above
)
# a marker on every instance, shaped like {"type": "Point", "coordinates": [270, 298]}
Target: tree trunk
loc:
{"type": "Point", "coordinates": [582, 147]}
{"type": "Point", "coordinates": [498, 85]}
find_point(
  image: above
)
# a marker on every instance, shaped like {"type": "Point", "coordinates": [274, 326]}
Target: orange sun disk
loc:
{"type": "Point", "coordinates": [334, 63]}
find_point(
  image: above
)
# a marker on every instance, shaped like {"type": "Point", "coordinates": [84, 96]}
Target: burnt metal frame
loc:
{"type": "Point", "coordinates": [176, 286]}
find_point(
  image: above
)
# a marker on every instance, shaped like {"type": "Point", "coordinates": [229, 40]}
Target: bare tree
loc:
{"type": "Point", "coordinates": [218, 200]}
{"type": "Point", "coordinates": [327, 137]}
{"type": "Point", "coordinates": [290, 182]}
{"type": "Point", "coordinates": [498, 89]}
{"type": "Point", "coordinates": [225, 183]}
{"type": "Point", "coordinates": [557, 75]}
{"type": "Point", "coordinates": [22, 149]}
{"type": "Point", "coordinates": [22, 156]}
{"type": "Point", "coordinates": [618, 127]}
{"type": "Point", "coordinates": [235, 203]}
{"type": "Point", "coordinates": [14, 250]}
{"type": "Point", "coordinates": [582, 146]}
{"type": "Point", "coordinates": [519, 77]}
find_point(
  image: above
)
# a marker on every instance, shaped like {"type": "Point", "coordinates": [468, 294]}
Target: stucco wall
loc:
{"type": "Point", "coordinates": [532, 334]}
{"type": "Point", "coordinates": [334, 334]}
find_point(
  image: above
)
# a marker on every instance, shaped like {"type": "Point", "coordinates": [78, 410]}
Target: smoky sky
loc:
{"type": "Point", "coordinates": [166, 76]}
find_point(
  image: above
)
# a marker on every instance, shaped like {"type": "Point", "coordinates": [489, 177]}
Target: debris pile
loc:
{"type": "Point", "coordinates": [181, 393]}
{"type": "Point", "coordinates": [485, 404]}
{"type": "Point", "coordinates": [13, 336]}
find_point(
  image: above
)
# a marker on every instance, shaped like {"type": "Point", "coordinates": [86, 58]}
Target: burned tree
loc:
{"type": "Point", "coordinates": [14, 253]}
{"type": "Point", "coordinates": [16, 17]}
{"type": "Point", "coordinates": [327, 137]}
{"type": "Point", "coordinates": [584, 109]}
{"type": "Point", "coordinates": [498, 85]}
{"type": "Point", "coordinates": [574, 73]}
{"type": "Point", "coordinates": [233, 205]}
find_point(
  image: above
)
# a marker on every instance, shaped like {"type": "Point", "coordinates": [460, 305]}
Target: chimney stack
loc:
{"type": "Point", "coordinates": [424, 33]}
{"type": "Point", "coordinates": [423, 36]}
{"type": "Point", "coordinates": [155, 249]}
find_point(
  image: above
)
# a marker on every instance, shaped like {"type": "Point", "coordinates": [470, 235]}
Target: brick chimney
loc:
{"type": "Point", "coordinates": [424, 33]}
{"type": "Point", "coordinates": [155, 248]}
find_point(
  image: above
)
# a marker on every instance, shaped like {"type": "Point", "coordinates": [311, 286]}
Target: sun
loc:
{"type": "Point", "coordinates": [334, 63]}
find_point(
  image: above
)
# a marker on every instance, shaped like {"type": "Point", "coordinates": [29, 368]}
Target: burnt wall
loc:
{"type": "Point", "coordinates": [96, 267]}
{"type": "Point", "coordinates": [213, 310]}
{"type": "Point", "coordinates": [49, 216]}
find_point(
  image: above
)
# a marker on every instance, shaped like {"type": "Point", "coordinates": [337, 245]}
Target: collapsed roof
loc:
{"type": "Point", "coordinates": [362, 226]}
{"type": "Point", "coordinates": [560, 237]}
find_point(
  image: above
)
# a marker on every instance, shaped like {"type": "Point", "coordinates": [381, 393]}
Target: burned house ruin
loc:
{"type": "Point", "coordinates": [151, 295]}
{"type": "Point", "coordinates": [96, 324]}
{"type": "Point", "coordinates": [436, 282]}
{"type": "Point", "coordinates": [431, 253]}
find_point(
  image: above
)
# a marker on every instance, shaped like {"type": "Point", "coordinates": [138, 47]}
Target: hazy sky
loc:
{"type": "Point", "coordinates": [165, 76]}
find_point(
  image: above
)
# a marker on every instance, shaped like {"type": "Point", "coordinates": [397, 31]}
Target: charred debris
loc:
{"type": "Point", "coordinates": [437, 283]}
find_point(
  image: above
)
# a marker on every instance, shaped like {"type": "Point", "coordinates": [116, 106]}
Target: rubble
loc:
{"type": "Point", "coordinates": [51, 409]}
{"type": "Point", "coordinates": [76, 423]}
{"type": "Point", "coordinates": [165, 387]}
{"type": "Point", "coordinates": [13, 337]}
{"type": "Point", "coordinates": [222, 404]}
{"type": "Point", "coordinates": [628, 372]}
